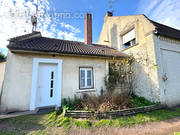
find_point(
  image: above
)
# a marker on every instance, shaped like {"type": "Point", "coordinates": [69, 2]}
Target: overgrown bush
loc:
{"type": "Point", "coordinates": [140, 101]}
{"type": "Point", "coordinates": [71, 104]}
{"type": "Point", "coordinates": [122, 75]}
{"type": "Point", "coordinates": [102, 103]}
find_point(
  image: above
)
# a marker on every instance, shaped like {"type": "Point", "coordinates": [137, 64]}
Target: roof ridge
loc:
{"type": "Point", "coordinates": [82, 43]}
{"type": "Point", "coordinates": [152, 21]}
{"type": "Point", "coordinates": [25, 36]}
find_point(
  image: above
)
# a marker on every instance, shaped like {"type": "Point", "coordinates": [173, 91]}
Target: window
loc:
{"type": "Point", "coordinates": [86, 78]}
{"type": "Point", "coordinates": [129, 39]}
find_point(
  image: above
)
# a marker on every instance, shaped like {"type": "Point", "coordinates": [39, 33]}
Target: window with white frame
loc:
{"type": "Point", "coordinates": [85, 78]}
{"type": "Point", "coordinates": [129, 38]}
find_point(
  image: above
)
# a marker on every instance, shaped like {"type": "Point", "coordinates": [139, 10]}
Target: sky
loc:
{"type": "Point", "coordinates": [64, 19]}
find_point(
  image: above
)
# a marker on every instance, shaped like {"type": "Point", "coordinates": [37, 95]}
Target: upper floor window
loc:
{"type": "Point", "coordinates": [129, 38]}
{"type": "Point", "coordinates": [86, 78]}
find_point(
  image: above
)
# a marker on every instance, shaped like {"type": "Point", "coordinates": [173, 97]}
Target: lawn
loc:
{"type": "Point", "coordinates": [54, 123]}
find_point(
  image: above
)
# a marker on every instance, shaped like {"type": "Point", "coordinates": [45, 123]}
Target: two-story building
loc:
{"type": "Point", "coordinates": [156, 48]}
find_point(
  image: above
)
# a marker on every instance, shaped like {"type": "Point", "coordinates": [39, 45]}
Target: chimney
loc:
{"type": "Point", "coordinates": [88, 28]}
{"type": "Point", "coordinates": [108, 14]}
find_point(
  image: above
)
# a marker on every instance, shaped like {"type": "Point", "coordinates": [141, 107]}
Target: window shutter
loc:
{"type": "Point", "coordinates": [129, 36]}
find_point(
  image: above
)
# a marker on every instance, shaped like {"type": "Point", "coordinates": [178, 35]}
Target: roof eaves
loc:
{"type": "Point", "coordinates": [67, 53]}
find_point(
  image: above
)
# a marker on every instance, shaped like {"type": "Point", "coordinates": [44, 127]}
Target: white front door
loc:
{"type": "Point", "coordinates": [47, 85]}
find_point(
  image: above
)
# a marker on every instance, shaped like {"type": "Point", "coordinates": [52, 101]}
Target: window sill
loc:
{"type": "Point", "coordinates": [85, 90]}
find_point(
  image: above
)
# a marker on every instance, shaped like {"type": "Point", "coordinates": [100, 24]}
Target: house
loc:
{"type": "Point", "coordinates": [2, 70]}
{"type": "Point", "coordinates": [156, 48]}
{"type": "Point", "coordinates": [40, 71]}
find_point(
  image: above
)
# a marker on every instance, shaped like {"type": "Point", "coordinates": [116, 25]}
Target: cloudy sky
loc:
{"type": "Point", "coordinates": [64, 19]}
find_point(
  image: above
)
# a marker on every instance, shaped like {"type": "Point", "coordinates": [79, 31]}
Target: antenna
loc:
{"type": "Point", "coordinates": [111, 5]}
{"type": "Point", "coordinates": [34, 19]}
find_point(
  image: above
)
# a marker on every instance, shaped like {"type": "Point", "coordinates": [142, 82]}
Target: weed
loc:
{"type": "Point", "coordinates": [140, 101]}
{"type": "Point", "coordinates": [10, 133]}
{"type": "Point", "coordinates": [83, 124]}
{"type": "Point", "coordinates": [103, 122]}
{"type": "Point", "coordinates": [52, 117]}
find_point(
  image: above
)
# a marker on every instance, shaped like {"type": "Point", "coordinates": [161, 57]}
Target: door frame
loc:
{"type": "Point", "coordinates": [36, 62]}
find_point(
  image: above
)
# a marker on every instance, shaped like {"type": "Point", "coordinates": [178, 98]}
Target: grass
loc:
{"type": "Point", "coordinates": [83, 124]}
{"type": "Point", "coordinates": [41, 124]}
{"type": "Point", "coordinates": [140, 101]}
{"type": "Point", "coordinates": [154, 116]}
{"type": "Point", "coordinates": [10, 133]}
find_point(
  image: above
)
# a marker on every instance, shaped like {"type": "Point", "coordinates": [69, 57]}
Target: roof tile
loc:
{"type": "Point", "coordinates": [44, 44]}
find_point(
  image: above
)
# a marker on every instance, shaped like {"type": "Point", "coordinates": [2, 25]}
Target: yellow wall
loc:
{"type": "Point", "coordinates": [144, 51]}
{"type": "Point", "coordinates": [18, 79]}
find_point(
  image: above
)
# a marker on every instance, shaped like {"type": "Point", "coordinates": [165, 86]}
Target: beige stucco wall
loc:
{"type": "Point", "coordinates": [147, 84]}
{"type": "Point", "coordinates": [2, 70]}
{"type": "Point", "coordinates": [18, 79]}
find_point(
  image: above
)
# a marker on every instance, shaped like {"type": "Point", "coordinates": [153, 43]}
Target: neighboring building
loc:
{"type": "Point", "coordinates": [40, 71]}
{"type": "Point", "coordinates": [156, 48]}
{"type": "Point", "coordinates": [2, 70]}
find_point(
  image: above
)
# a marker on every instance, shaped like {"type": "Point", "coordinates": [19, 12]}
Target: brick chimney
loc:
{"type": "Point", "coordinates": [88, 28]}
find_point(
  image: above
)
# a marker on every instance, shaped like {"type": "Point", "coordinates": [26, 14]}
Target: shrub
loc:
{"type": "Point", "coordinates": [71, 104]}
{"type": "Point", "coordinates": [104, 103]}
{"type": "Point", "coordinates": [2, 57]}
{"type": "Point", "coordinates": [140, 101]}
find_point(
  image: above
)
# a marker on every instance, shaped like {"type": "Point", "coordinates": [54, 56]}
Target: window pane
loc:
{"type": "Point", "coordinates": [52, 75]}
{"type": "Point", "coordinates": [51, 93]}
{"type": "Point", "coordinates": [82, 78]}
{"type": "Point", "coordinates": [51, 83]}
{"type": "Point", "coordinates": [89, 74]}
{"type": "Point", "coordinates": [82, 74]}
{"type": "Point", "coordinates": [89, 82]}
{"type": "Point", "coordinates": [82, 83]}
{"type": "Point", "coordinates": [89, 77]}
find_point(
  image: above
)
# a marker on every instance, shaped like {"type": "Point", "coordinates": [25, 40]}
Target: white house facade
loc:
{"type": "Point", "coordinates": [41, 71]}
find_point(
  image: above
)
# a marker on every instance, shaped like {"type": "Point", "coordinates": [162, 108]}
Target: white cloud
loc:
{"type": "Point", "coordinates": [70, 27]}
{"type": "Point", "coordinates": [69, 36]}
{"type": "Point", "coordinates": [15, 20]}
{"type": "Point", "coordinates": [163, 11]}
